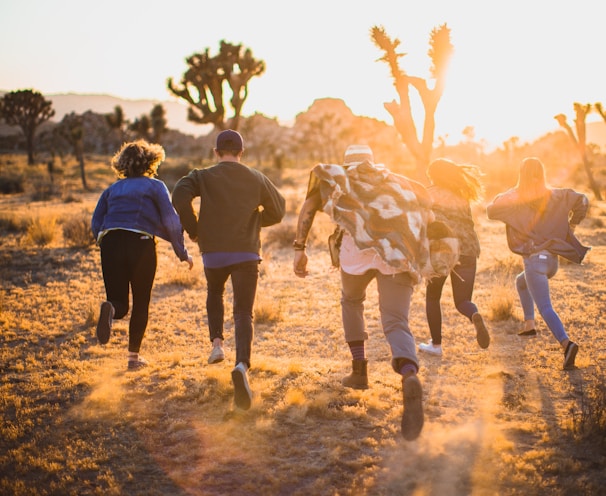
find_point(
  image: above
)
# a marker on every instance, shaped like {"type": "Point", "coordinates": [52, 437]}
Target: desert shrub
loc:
{"type": "Point", "coordinates": [42, 190]}
{"type": "Point", "coordinates": [503, 294]}
{"type": "Point", "coordinates": [11, 184]}
{"type": "Point", "coordinates": [282, 235]}
{"type": "Point", "coordinates": [501, 303]}
{"type": "Point", "coordinates": [184, 278]}
{"type": "Point", "coordinates": [77, 231]}
{"type": "Point", "coordinates": [589, 419]}
{"type": "Point", "coordinates": [170, 172]}
{"type": "Point", "coordinates": [267, 310]}
{"type": "Point", "coordinates": [42, 230]}
{"type": "Point", "coordinates": [10, 222]}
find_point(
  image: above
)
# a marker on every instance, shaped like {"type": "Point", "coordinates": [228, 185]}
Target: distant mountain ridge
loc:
{"type": "Point", "coordinates": [176, 112]}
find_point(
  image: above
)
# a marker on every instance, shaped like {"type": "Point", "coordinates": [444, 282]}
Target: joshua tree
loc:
{"type": "Point", "coordinates": [600, 110]}
{"type": "Point", "coordinates": [141, 126]}
{"type": "Point", "coordinates": [202, 85]}
{"type": "Point", "coordinates": [71, 129]}
{"type": "Point", "coordinates": [581, 111]}
{"type": "Point", "coordinates": [440, 52]}
{"type": "Point", "coordinates": [26, 109]}
{"type": "Point", "coordinates": [158, 122]}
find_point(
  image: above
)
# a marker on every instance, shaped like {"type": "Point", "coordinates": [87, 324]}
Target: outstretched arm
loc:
{"type": "Point", "coordinates": [307, 214]}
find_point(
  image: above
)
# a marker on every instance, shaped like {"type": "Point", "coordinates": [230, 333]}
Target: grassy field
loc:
{"type": "Point", "coordinates": [507, 420]}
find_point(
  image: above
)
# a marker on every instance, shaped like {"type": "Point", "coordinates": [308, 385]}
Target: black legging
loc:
{"type": "Point", "coordinates": [462, 280]}
{"type": "Point", "coordinates": [129, 258]}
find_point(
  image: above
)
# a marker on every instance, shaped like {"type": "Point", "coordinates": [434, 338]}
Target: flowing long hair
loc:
{"type": "Point", "coordinates": [462, 180]}
{"type": "Point", "coordinates": [532, 185]}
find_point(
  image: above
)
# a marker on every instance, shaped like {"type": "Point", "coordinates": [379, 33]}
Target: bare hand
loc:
{"type": "Point", "coordinates": [190, 262]}
{"type": "Point", "coordinates": [300, 264]}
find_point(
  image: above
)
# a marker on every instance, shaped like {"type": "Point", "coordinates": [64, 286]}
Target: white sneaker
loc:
{"type": "Point", "coordinates": [431, 348]}
{"type": "Point", "coordinates": [216, 355]}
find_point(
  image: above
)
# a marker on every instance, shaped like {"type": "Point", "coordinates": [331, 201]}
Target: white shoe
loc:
{"type": "Point", "coordinates": [216, 355]}
{"type": "Point", "coordinates": [431, 348]}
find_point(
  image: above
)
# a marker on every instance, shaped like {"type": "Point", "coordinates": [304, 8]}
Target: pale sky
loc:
{"type": "Point", "coordinates": [517, 63]}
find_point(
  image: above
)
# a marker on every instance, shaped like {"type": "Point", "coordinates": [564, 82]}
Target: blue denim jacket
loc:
{"type": "Point", "coordinates": [139, 204]}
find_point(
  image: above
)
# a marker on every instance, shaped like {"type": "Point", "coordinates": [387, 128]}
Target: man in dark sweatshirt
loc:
{"type": "Point", "coordinates": [236, 201]}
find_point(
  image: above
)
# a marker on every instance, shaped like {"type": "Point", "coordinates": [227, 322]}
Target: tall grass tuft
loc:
{"type": "Point", "coordinates": [12, 222]}
{"type": "Point", "coordinates": [503, 294]}
{"type": "Point", "coordinates": [589, 417]}
{"type": "Point", "coordinates": [42, 230]}
{"type": "Point", "coordinates": [267, 311]}
{"type": "Point", "coordinates": [77, 231]}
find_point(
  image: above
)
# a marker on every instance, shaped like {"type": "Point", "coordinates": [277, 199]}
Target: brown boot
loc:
{"type": "Point", "coordinates": [358, 379]}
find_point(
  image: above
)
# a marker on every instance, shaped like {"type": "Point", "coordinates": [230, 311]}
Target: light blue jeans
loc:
{"type": "Point", "coordinates": [395, 293]}
{"type": "Point", "coordinates": [533, 288]}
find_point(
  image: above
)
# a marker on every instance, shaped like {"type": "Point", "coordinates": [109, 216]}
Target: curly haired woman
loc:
{"type": "Point", "coordinates": [128, 217]}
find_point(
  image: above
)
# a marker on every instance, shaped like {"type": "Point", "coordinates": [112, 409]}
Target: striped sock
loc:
{"type": "Point", "coordinates": [357, 349]}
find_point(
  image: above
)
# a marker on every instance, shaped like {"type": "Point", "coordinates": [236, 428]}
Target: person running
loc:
{"type": "Point", "coordinates": [540, 223]}
{"type": "Point", "coordinates": [453, 188]}
{"type": "Point", "coordinates": [127, 218]}
{"type": "Point", "coordinates": [383, 216]}
{"type": "Point", "coordinates": [236, 201]}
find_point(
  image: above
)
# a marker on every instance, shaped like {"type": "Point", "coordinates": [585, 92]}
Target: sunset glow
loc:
{"type": "Point", "coordinates": [516, 63]}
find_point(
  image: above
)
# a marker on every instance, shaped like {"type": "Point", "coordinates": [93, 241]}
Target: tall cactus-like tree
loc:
{"type": "Point", "coordinates": [158, 122]}
{"type": "Point", "coordinates": [71, 129]}
{"type": "Point", "coordinates": [600, 110]}
{"type": "Point", "coordinates": [26, 109]}
{"type": "Point", "coordinates": [203, 84]}
{"type": "Point", "coordinates": [440, 53]}
{"type": "Point", "coordinates": [580, 141]}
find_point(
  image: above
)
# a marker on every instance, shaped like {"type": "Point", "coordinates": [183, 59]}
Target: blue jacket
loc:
{"type": "Point", "coordinates": [139, 204]}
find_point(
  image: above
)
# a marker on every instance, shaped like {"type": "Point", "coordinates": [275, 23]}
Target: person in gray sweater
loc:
{"type": "Point", "coordinates": [540, 223]}
{"type": "Point", "coordinates": [236, 201]}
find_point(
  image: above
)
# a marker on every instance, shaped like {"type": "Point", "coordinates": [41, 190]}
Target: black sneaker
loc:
{"type": "Point", "coordinates": [412, 417]}
{"type": "Point", "coordinates": [242, 392]}
{"type": "Point", "coordinates": [104, 325]}
{"type": "Point", "coordinates": [570, 354]}
{"type": "Point", "coordinates": [529, 332]}
{"type": "Point", "coordinates": [482, 335]}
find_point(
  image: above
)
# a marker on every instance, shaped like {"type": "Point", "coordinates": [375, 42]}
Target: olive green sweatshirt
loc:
{"type": "Point", "coordinates": [236, 201]}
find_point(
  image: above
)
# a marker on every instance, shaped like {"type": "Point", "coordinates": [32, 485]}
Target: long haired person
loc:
{"type": "Point", "coordinates": [540, 223]}
{"type": "Point", "coordinates": [453, 188]}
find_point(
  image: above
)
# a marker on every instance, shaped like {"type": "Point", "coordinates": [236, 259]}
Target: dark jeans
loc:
{"type": "Point", "coordinates": [244, 277]}
{"type": "Point", "coordinates": [462, 280]}
{"type": "Point", "coordinates": [129, 259]}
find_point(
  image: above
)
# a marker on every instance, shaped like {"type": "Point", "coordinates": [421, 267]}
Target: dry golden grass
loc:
{"type": "Point", "coordinates": [506, 420]}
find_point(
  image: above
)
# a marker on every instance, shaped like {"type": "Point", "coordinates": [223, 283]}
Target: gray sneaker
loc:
{"type": "Point", "coordinates": [242, 392]}
{"type": "Point", "coordinates": [412, 417]}
{"type": "Point", "coordinates": [137, 364]}
{"type": "Point", "coordinates": [216, 355]}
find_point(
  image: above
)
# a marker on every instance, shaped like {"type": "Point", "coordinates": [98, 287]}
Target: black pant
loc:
{"type": "Point", "coordinates": [129, 258]}
{"type": "Point", "coordinates": [462, 279]}
{"type": "Point", "coordinates": [244, 278]}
